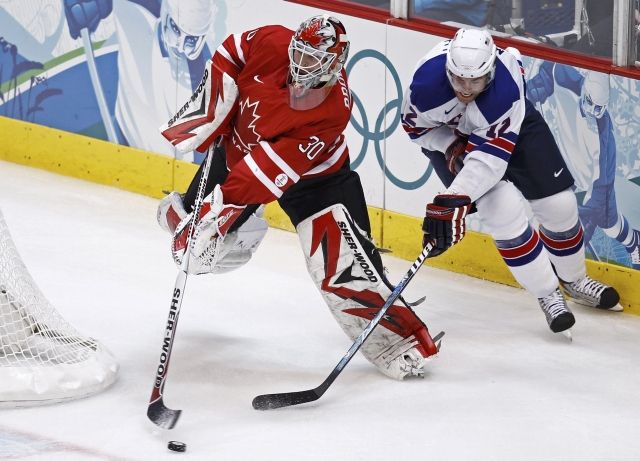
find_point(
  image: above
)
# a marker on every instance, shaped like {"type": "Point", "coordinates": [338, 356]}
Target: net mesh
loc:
{"type": "Point", "coordinates": [42, 356]}
{"type": "Point", "coordinates": [32, 332]}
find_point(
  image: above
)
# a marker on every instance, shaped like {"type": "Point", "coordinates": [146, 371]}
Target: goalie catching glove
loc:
{"type": "Point", "coordinates": [212, 224]}
{"type": "Point", "coordinates": [444, 223]}
{"type": "Point", "coordinates": [214, 248]}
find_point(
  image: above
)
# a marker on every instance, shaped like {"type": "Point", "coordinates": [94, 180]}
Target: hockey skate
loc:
{"type": "Point", "coordinates": [555, 309]}
{"type": "Point", "coordinates": [592, 293]}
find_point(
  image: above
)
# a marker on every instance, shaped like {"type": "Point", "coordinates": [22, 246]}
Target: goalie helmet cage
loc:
{"type": "Point", "coordinates": [43, 359]}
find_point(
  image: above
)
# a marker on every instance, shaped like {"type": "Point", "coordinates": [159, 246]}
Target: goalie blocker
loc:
{"type": "Point", "coordinates": [347, 269]}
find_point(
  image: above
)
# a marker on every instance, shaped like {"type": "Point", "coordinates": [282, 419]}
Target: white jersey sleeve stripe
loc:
{"type": "Point", "coordinates": [223, 51]}
{"type": "Point", "coordinates": [280, 163]}
{"type": "Point", "coordinates": [238, 41]}
{"type": "Point", "coordinates": [259, 174]}
{"type": "Point", "coordinates": [330, 161]}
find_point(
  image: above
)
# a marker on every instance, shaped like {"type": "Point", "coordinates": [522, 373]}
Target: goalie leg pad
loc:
{"type": "Point", "coordinates": [340, 259]}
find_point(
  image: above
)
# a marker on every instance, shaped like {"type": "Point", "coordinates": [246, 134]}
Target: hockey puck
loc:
{"type": "Point", "coordinates": [177, 446]}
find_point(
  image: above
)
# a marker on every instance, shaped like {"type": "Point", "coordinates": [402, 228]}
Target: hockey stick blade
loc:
{"type": "Point", "coordinates": [162, 415]}
{"type": "Point", "coordinates": [287, 399]}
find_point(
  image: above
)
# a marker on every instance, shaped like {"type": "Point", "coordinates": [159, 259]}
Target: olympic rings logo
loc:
{"type": "Point", "coordinates": [377, 135]}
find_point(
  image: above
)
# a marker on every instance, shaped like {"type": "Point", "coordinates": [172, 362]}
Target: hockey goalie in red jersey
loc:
{"type": "Point", "coordinates": [278, 101]}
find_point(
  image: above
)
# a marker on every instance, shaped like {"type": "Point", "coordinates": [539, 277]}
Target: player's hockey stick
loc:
{"type": "Point", "coordinates": [286, 399]}
{"type": "Point", "coordinates": [157, 411]}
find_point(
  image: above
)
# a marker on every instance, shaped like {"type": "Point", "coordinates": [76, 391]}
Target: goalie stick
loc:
{"type": "Point", "coordinates": [157, 411]}
{"type": "Point", "coordinates": [286, 399]}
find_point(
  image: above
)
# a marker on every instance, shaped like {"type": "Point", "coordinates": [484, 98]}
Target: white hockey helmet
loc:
{"type": "Point", "coordinates": [471, 55]}
{"type": "Point", "coordinates": [594, 97]}
{"type": "Point", "coordinates": [317, 52]}
{"type": "Point", "coordinates": [185, 25]}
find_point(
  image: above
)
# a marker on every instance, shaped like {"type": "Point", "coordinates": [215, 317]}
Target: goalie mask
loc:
{"type": "Point", "coordinates": [185, 24]}
{"type": "Point", "coordinates": [471, 62]}
{"type": "Point", "coordinates": [317, 53]}
{"type": "Point", "coordinates": [594, 97]}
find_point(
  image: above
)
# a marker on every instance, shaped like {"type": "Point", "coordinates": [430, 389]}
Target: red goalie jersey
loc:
{"type": "Point", "coordinates": [269, 145]}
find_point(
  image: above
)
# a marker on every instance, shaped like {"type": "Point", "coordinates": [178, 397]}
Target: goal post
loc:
{"type": "Point", "coordinates": [43, 358]}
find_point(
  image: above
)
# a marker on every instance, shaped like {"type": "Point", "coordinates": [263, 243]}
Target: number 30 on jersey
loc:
{"type": "Point", "coordinates": [313, 148]}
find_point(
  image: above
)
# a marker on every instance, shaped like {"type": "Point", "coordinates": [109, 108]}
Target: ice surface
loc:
{"type": "Point", "coordinates": [503, 387]}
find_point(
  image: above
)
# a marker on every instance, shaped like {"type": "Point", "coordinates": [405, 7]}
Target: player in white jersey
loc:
{"type": "Point", "coordinates": [466, 108]}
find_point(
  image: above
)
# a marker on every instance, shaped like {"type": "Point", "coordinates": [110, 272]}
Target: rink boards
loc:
{"type": "Point", "coordinates": [151, 174]}
{"type": "Point", "coordinates": [398, 181]}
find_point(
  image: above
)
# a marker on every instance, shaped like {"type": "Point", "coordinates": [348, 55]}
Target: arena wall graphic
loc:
{"type": "Point", "coordinates": [46, 80]}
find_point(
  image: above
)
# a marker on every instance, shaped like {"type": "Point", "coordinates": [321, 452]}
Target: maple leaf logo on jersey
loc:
{"type": "Point", "coordinates": [253, 109]}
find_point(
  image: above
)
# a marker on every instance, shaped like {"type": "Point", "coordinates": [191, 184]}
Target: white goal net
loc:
{"type": "Point", "coordinates": [43, 359]}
